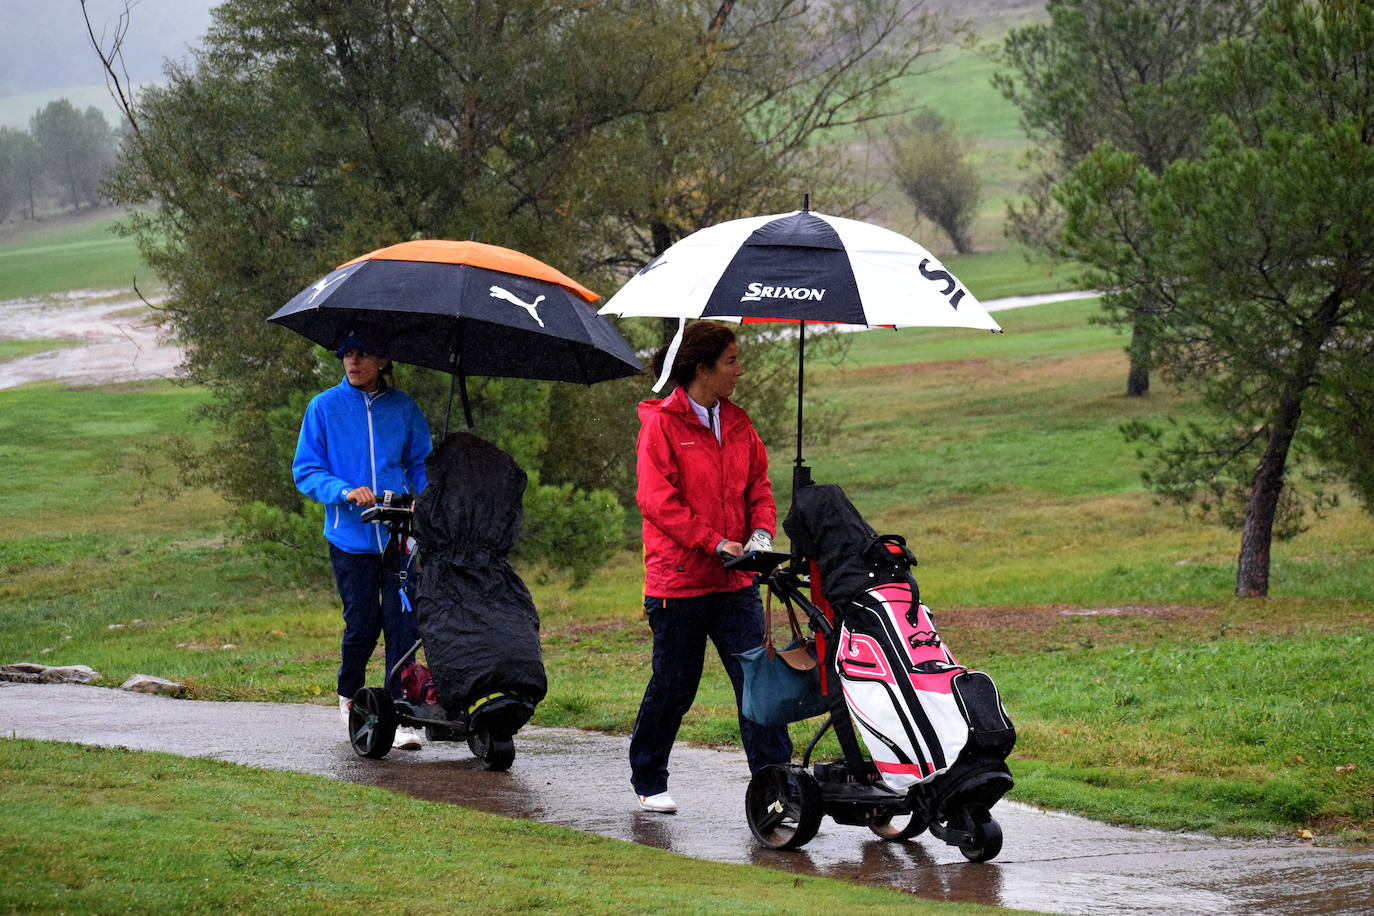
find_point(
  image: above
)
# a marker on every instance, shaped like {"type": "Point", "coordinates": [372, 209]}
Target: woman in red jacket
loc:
{"type": "Point", "coordinates": [703, 490]}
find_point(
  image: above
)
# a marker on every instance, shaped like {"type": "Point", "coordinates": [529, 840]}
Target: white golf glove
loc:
{"type": "Point", "coordinates": [759, 540]}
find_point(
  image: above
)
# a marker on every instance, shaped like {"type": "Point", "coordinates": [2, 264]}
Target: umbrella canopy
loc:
{"type": "Point", "coordinates": [799, 267]}
{"type": "Point", "coordinates": [467, 308]}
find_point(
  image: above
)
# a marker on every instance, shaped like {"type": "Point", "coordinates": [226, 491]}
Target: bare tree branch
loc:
{"type": "Point", "coordinates": [121, 88]}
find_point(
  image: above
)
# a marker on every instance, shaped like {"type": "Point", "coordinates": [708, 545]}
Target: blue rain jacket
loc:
{"type": "Point", "coordinates": [352, 439]}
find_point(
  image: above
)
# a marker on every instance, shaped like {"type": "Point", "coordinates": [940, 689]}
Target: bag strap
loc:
{"type": "Point", "coordinates": [792, 621]}
{"type": "Point", "coordinates": [768, 648]}
{"type": "Point", "coordinates": [802, 658]}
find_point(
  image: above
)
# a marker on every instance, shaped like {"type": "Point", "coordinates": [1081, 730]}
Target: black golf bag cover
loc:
{"type": "Point", "coordinates": [476, 618]}
{"type": "Point", "coordinates": [824, 527]}
{"type": "Point", "coordinates": [923, 717]}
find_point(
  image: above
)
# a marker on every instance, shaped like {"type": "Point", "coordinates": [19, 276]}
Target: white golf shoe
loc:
{"type": "Point", "coordinates": [407, 739]}
{"type": "Point", "coordinates": [661, 803]}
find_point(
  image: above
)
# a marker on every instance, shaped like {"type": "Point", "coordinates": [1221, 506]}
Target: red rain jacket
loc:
{"type": "Point", "coordinates": [694, 492]}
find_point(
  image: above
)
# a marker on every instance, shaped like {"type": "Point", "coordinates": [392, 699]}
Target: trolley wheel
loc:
{"type": "Point", "coordinates": [897, 828]}
{"type": "Point", "coordinates": [973, 830]}
{"type": "Point", "coordinates": [987, 839]}
{"type": "Point", "coordinates": [372, 723]}
{"type": "Point", "coordinates": [783, 806]}
{"type": "Point", "coordinates": [497, 752]}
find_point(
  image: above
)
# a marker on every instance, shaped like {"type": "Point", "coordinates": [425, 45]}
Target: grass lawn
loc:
{"type": "Point", "coordinates": [97, 829]}
{"type": "Point", "coordinates": [68, 252]}
{"type": "Point", "coordinates": [18, 349]}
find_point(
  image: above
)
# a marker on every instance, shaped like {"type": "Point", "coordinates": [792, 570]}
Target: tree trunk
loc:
{"type": "Point", "coordinates": [1252, 572]}
{"type": "Point", "coordinates": [663, 239]}
{"type": "Point", "coordinates": [1138, 377]}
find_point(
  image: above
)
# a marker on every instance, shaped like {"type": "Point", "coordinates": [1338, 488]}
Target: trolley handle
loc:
{"type": "Point", "coordinates": [391, 508]}
{"type": "Point", "coordinates": [758, 561]}
{"type": "Point", "coordinates": [786, 575]}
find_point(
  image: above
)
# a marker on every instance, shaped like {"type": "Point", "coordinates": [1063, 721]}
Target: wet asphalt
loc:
{"type": "Point", "coordinates": [1050, 862]}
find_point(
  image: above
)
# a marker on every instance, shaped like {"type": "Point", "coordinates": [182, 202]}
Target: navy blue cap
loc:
{"type": "Point", "coordinates": [369, 340]}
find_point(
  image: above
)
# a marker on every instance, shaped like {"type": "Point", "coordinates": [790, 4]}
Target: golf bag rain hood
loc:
{"type": "Point", "coordinates": [852, 558]}
{"type": "Point", "coordinates": [476, 618]}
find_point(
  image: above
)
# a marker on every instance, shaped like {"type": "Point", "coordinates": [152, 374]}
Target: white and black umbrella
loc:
{"type": "Point", "coordinates": [802, 267]}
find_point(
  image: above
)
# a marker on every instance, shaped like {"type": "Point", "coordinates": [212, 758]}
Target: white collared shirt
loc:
{"type": "Point", "coordinates": [704, 415]}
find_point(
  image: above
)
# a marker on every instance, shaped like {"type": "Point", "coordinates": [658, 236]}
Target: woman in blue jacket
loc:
{"type": "Point", "coordinates": [359, 439]}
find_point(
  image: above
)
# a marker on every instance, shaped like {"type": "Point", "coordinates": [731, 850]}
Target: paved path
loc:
{"type": "Point", "coordinates": [1050, 862]}
{"type": "Point", "coordinates": [1016, 302]}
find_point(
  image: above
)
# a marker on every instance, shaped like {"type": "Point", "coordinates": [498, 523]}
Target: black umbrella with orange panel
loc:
{"type": "Point", "coordinates": [466, 308]}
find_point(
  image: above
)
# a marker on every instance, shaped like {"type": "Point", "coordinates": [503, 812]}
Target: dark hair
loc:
{"type": "Point", "coordinates": [702, 345]}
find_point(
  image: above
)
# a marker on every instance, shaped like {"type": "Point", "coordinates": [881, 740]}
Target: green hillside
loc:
{"type": "Point", "coordinates": [66, 252]}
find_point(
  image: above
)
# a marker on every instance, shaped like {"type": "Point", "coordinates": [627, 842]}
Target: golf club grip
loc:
{"type": "Point", "coordinates": [380, 513]}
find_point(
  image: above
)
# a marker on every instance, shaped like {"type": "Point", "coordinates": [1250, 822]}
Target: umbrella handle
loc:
{"type": "Point", "coordinates": [448, 408]}
{"type": "Point", "coordinates": [467, 406]}
{"type": "Point", "coordinates": [462, 380]}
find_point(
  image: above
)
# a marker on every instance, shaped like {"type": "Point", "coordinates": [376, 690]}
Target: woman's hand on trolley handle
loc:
{"type": "Point", "coordinates": [728, 548]}
{"type": "Point", "coordinates": [361, 496]}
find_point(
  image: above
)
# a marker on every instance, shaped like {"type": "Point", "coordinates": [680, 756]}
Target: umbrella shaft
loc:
{"type": "Point", "coordinates": [801, 376]}
{"type": "Point", "coordinates": [801, 474]}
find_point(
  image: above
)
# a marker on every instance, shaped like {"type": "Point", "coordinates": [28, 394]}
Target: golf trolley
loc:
{"type": "Point", "coordinates": [374, 716]}
{"type": "Point", "coordinates": [784, 804]}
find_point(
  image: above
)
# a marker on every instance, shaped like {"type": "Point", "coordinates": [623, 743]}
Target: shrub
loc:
{"type": "Point", "coordinates": [291, 539]}
{"type": "Point", "coordinates": [570, 529]}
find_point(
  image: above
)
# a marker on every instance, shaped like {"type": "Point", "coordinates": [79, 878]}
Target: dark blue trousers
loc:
{"type": "Point", "coordinates": [733, 621]}
{"type": "Point", "coordinates": [369, 585]}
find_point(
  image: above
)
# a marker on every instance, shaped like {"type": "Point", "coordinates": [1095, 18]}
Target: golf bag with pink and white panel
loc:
{"type": "Point", "coordinates": [936, 733]}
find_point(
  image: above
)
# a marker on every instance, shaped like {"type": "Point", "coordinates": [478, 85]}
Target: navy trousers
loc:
{"type": "Point", "coordinates": [733, 621]}
{"type": "Point", "coordinates": [369, 585]}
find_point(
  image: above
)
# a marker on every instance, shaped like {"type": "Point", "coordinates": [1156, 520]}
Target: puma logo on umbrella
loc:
{"type": "Point", "coordinates": [499, 293]}
{"type": "Point", "coordinates": [324, 283]}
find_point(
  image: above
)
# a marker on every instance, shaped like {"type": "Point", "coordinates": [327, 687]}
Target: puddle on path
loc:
{"type": "Point", "coordinates": [106, 337]}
